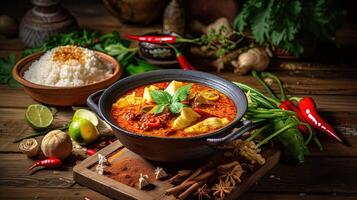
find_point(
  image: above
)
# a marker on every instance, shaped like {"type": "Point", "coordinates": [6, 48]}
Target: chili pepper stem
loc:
{"type": "Point", "coordinates": [318, 143]}
{"type": "Point", "coordinates": [248, 88]}
{"type": "Point", "coordinates": [276, 133]}
{"type": "Point", "coordinates": [310, 131]}
{"type": "Point", "coordinates": [277, 80]}
{"type": "Point", "coordinates": [263, 101]}
{"type": "Point", "coordinates": [185, 40]}
{"type": "Point", "coordinates": [271, 111]}
{"type": "Point", "coordinates": [255, 121]}
{"type": "Point", "coordinates": [297, 99]}
{"type": "Point", "coordinates": [257, 132]}
{"type": "Point", "coordinates": [267, 88]}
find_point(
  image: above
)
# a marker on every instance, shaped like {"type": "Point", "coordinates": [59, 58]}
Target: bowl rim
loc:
{"type": "Point", "coordinates": [28, 60]}
{"type": "Point", "coordinates": [229, 126]}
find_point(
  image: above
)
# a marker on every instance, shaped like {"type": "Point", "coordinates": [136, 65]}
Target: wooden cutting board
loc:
{"type": "Point", "coordinates": [84, 173]}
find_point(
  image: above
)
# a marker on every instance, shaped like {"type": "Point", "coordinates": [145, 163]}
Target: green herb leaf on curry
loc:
{"type": "Point", "coordinates": [181, 93]}
{"type": "Point", "coordinates": [163, 99]}
{"type": "Point", "coordinates": [159, 108]}
{"type": "Point", "coordinates": [176, 107]}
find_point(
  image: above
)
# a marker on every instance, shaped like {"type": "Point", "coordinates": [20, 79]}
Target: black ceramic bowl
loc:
{"type": "Point", "coordinates": [160, 52]}
{"type": "Point", "coordinates": [168, 149]}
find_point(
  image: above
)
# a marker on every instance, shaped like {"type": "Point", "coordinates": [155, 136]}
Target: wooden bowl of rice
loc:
{"type": "Point", "coordinates": [63, 96]}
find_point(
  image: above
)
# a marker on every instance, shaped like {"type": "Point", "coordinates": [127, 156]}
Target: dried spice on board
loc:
{"type": "Point", "coordinates": [128, 170]}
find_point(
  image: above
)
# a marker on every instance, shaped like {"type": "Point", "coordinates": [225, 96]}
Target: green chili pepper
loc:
{"type": "Point", "coordinates": [292, 142]}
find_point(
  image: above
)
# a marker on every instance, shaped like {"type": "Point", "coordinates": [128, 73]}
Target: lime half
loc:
{"type": "Point", "coordinates": [85, 114]}
{"type": "Point", "coordinates": [39, 116]}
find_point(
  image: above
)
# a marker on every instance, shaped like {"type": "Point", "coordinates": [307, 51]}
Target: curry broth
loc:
{"type": "Point", "coordinates": [222, 108]}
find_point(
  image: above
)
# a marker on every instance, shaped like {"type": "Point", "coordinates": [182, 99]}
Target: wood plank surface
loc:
{"type": "Point", "coordinates": [327, 175]}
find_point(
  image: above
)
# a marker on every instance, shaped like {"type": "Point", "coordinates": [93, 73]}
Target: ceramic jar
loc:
{"type": "Point", "coordinates": [47, 17]}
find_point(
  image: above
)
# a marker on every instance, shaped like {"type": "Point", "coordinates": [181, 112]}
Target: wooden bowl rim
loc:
{"type": "Point", "coordinates": [26, 61]}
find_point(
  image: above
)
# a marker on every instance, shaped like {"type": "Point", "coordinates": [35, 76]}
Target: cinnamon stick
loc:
{"type": "Point", "coordinates": [204, 175]}
{"type": "Point", "coordinates": [193, 175]}
{"type": "Point", "coordinates": [180, 174]}
{"type": "Point", "coordinates": [228, 165]}
{"type": "Point", "coordinates": [179, 188]}
{"type": "Point", "coordinates": [189, 190]}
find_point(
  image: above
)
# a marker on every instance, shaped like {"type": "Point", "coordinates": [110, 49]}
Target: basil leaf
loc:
{"type": "Point", "coordinates": [176, 107]}
{"type": "Point", "coordinates": [181, 93]}
{"type": "Point", "coordinates": [159, 108]}
{"type": "Point", "coordinates": [160, 96]}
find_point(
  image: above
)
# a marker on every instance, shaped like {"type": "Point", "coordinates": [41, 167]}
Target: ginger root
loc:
{"type": "Point", "coordinates": [254, 59]}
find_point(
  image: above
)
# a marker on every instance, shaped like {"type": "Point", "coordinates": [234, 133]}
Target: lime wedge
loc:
{"type": "Point", "coordinates": [85, 114]}
{"type": "Point", "coordinates": [38, 116]}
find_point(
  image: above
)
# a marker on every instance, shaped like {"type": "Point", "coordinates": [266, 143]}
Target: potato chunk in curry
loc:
{"type": "Point", "coordinates": [187, 117]}
{"type": "Point", "coordinates": [129, 100]}
{"type": "Point", "coordinates": [207, 125]}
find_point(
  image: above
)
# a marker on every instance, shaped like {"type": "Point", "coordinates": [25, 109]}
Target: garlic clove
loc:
{"type": "Point", "coordinates": [143, 181]}
{"type": "Point", "coordinates": [160, 173]}
{"type": "Point", "coordinates": [29, 147]}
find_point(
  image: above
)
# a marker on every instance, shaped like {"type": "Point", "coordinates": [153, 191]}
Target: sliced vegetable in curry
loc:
{"type": "Point", "coordinates": [173, 109]}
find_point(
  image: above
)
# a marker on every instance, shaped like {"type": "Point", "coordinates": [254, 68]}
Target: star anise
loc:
{"type": "Point", "coordinates": [221, 189]}
{"type": "Point", "coordinates": [203, 193]}
{"type": "Point", "coordinates": [231, 175]}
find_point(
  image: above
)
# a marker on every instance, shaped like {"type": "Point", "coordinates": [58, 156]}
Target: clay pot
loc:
{"type": "Point", "coordinates": [168, 149]}
{"type": "Point", "coordinates": [136, 11]}
{"type": "Point", "coordinates": [62, 96]}
{"type": "Point", "coordinates": [47, 17]}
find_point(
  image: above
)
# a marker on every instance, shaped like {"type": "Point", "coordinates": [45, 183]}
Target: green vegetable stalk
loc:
{"type": "Point", "coordinates": [278, 125]}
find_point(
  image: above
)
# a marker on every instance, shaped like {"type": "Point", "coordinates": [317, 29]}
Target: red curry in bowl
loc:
{"type": "Point", "coordinates": [173, 109]}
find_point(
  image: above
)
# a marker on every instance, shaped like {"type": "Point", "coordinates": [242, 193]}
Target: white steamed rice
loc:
{"type": "Point", "coordinates": [68, 70]}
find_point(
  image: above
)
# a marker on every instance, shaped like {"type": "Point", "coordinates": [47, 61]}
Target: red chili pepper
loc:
{"type": "Point", "coordinates": [284, 103]}
{"type": "Point", "coordinates": [154, 122]}
{"type": "Point", "coordinates": [90, 152]}
{"type": "Point", "coordinates": [291, 106]}
{"type": "Point", "coordinates": [184, 64]}
{"type": "Point", "coordinates": [309, 111]}
{"type": "Point", "coordinates": [48, 163]}
{"type": "Point", "coordinates": [154, 39]}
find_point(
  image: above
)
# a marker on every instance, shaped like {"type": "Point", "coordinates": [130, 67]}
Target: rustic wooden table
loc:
{"type": "Point", "coordinates": [328, 175]}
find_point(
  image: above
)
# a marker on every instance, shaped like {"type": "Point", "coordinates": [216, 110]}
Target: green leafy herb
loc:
{"type": "Point", "coordinates": [181, 93]}
{"type": "Point", "coordinates": [137, 66]}
{"type": "Point", "coordinates": [176, 107]}
{"type": "Point", "coordinates": [219, 41]}
{"type": "Point", "coordinates": [6, 65]}
{"type": "Point", "coordinates": [289, 24]}
{"type": "Point", "coordinates": [161, 97]}
{"type": "Point", "coordinates": [164, 99]}
{"type": "Point", "coordinates": [160, 108]}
